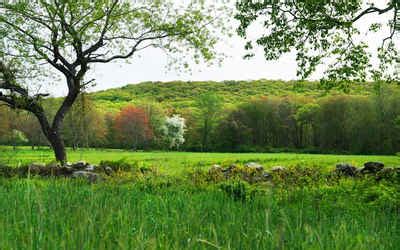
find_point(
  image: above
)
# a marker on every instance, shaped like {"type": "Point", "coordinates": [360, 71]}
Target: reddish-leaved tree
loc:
{"type": "Point", "coordinates": [133, 128]}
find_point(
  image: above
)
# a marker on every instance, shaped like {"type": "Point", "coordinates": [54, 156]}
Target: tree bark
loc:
{"type": "Point", "coordinates": [55, 135]}
{"type": "Point", "coordinates": [57, 143]}
{"type": "Point", "coordinates": [52, 135]}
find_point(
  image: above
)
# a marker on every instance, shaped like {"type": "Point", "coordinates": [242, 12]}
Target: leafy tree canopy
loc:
{"type": "Point", "coordinates": [322, 31]}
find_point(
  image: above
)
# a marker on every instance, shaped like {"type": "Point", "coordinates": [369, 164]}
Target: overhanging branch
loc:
{"type": "Point", "coordinates": [373, 9]}
{"type": "Point", "coordinates": [131, 52]}
{"type": "Point", "coordinates": [21, 100]}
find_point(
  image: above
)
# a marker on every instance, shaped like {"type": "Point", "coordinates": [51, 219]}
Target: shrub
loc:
{"type": "Point", "coordinates": [121, 165]}
{"type": "Point", "coordinates": [238, 190]}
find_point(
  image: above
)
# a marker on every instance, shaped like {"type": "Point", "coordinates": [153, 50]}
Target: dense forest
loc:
{"type": "Point", "coordinates": [246, 116]}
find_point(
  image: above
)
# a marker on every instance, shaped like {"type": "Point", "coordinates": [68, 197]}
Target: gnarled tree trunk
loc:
{"type": "Point", "coordinates": [57, 143]}
{"type": "Point", "coordinates": [53, 132]}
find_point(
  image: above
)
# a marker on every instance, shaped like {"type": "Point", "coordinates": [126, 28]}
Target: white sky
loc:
{"type": "Point", "coordinates": [151, 65]}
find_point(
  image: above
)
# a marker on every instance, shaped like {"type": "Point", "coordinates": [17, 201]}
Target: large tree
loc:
{"type": "Point", "coordinates": [326, 32]}
{"type": "Point", "coordinates": [65, 37]}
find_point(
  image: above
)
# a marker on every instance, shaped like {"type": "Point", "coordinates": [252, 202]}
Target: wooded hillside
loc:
{"type": "Point", "coordinates": [180, 94]}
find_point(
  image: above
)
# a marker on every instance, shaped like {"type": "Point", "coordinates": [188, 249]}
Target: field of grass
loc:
{"type": "Point", "coordinates": [73, 215]}
{"type": "Point", "coordinates": [175, 162]}
{"type": "Point", "coordinates": [179, 209]}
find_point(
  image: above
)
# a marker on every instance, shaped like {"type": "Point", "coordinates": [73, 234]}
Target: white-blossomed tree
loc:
{"type": "Point", "coordinates": [174, 131]}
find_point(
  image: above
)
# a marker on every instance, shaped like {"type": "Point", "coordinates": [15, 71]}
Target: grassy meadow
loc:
{"type": "Point", "coordinates": [176, 162]}
{"type": "Point", "coordinates": [176, 207]}
{"type": "Point", "coordinates": [73, 215]}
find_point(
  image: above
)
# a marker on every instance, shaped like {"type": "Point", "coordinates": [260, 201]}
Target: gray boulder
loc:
{"type": "Point", "coordinates": [108, 170]}
{"type": "Point", "coordinates": [91, 177]}
{"type": "Point", "coordinates": [278, 169]}
{"type": "Point", "coordinates": [229, 171]}
{"type": "Point", "coordinates": [35, 169]}
{"type": "Point", "coordinates": [90, 168]}
{"type": "Point", "coordinates": [215, 169]}
{"type": "Point", "coordinates": [255, 166]}
{"type": "Point", "coordinates": [267, 176]}
{"type": "Point", "coordinates": [346, 169]}
{"type": "Point", "coordinates": [372, 167]}
{"type": "Point", "coordinates": [80, 165]}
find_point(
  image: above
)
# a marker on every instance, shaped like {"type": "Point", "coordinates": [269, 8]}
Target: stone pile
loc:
{"type": "Point", "coordinates": [251, 172]}
{"type": "Point", "coordinates": [254, 172]}
{"type": "Point", "coordinates": [370, 168]}
{"type": "Point", "coordinates": [80, 169]}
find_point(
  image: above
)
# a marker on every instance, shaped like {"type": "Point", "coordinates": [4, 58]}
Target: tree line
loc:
{"type": "Point", "coordinates": [331, 124]}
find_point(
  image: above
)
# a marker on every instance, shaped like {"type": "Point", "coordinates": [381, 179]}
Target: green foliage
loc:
{"type": "Point", "coordinates": [120, 165]}
{"type": "Point", "coordinates": [4, 123]}
{"type": "Point", "coordinates": [237, 190]}
{"type": "Point", "coordinates": [208, 111]}
{"type": "Point", "coordinates": [83, 27]}
{"type": "Point", "coordinates": [179, 96]}
{"type": "Point", "coordinates": [157, 117]}
{"type": "Point", "coordinates": [84, 124]}
{"type": "Point", "coordinates": [341, 123]}
{"type": "Point", "coordinates": [182, 95]}
{"type": "Point", "coordinates": [320, 32]}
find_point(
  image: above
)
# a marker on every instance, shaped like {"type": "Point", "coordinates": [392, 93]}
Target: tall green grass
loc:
{"type": "Point", "coordinates": [64, 214]}
{"type": "Point", "coordinates": [175, 206]}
